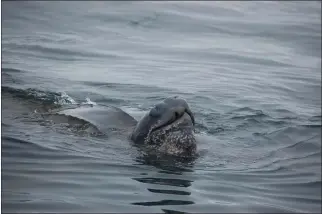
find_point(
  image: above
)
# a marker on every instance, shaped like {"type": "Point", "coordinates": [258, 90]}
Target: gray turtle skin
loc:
{"type": "Point", "coordinates": [168, 127]}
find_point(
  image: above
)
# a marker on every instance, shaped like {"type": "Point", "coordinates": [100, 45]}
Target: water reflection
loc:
{"type": "Point", "coordinates": [167, 164]}
{"type": "Point", "coordinates": [173, 192]}
{"type": "Point", "coordinates": [168, 182]}
{"type": "Point", "coordinates": [165, 181]}
{"type": "Point", "coordinates": [172, 211]}
{"type": "Point", "coordinates": [164, 202]}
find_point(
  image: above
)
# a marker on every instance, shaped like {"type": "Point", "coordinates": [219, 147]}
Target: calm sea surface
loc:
{"type": "Point", "coordinates": [250, 71]}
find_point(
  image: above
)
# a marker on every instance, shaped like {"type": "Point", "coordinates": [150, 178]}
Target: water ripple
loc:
{"type": "Point", "coordinates": [249, 71]}
{"type": "Point", "coordinates": [164, 202]}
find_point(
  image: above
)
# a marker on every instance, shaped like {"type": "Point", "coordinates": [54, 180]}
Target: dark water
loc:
{"type": "Point", "coordinates": [251, 72]}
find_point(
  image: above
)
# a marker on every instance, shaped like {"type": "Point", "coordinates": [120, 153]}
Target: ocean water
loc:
{"type": "Point", "coordinates": [250, 71]}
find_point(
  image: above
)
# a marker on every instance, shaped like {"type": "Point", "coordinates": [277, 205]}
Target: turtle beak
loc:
{"type": "Point", "coordinates": [188, 111]}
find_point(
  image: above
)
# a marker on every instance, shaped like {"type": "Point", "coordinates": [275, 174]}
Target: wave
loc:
{"type": "Point", "coordinates": [45, 97]}
{"type": "Point", "coordinates": [58, 53]}
{"type": "Point", "coordinates": [126, 87]}
{"type": "Point", "coordinates": [244, 112]}
{"type": "Point", "coordinates": [37, 95]}
{"type": "Point", "coordinates": [38, 106]}
{"type": "Point", "coordinates": [8, 75]}
{"type": "Point", "coordinates": [237, 120]}
{"type": "Point", "coordinates": [15, 142]}
{"type": "Point", "coordinates": [12, 70]}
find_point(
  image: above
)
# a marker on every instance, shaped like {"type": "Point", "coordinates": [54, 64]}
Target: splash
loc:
{"type": "Point", "coordinates": [64, 99]}
{"type": "Point", "coordinates": [88, 102]}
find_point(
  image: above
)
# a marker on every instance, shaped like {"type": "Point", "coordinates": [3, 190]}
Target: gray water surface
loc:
{"type": "Point", "coordinates": [250, 71]}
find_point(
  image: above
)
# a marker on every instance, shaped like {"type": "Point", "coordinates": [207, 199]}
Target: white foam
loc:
{"type": "Point", "coordinates": [89, 102]}
{"type": "Point", "coordinates": [65, 99]}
